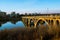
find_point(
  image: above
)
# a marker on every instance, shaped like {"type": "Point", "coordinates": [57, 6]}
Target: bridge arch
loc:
{"type": "Point", "coordinates": [43, 21]}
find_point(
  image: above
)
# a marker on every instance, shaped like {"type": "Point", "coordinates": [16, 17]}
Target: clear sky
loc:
{"type": "Point", "coordinates": [30, 5]}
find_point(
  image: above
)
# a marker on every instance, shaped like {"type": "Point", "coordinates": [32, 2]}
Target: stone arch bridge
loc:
{"type": "Point", "coordinates": [49, 20]}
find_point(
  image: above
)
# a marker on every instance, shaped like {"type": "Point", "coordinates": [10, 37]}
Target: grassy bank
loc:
{"type": "Point", "coordinates": [39, 33]}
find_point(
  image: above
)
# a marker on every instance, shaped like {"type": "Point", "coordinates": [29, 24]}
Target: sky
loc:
{"type": "Point", "coordinates": [29, 6]}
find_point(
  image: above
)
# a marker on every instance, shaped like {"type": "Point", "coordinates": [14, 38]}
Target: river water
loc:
{"type": "Point", "coordinates": [9, 25]}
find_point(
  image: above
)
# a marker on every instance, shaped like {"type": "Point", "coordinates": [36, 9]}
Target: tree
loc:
{"type": "Point", "coordinates": [13, 14]}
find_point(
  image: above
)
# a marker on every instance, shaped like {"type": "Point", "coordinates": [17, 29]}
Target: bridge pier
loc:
{"type": "Point", "coordinates": [54, 23]}
{"type": "Point", "coordinates": [35, 25]}
{"type": "Point", "coordinates": [28, 23]}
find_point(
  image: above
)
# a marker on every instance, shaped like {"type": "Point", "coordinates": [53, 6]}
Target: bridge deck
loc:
{"type": "Point", "coordinates": [52, 17]}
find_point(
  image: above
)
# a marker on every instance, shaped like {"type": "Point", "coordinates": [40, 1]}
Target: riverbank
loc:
{"type": "Point", "coordinates": [39, 33]}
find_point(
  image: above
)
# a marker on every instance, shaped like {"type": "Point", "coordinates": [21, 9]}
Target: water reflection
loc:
{"type": "Point", "coordinates": [20, 24]}
{"type": "Point", "coordinates": [10, 25]}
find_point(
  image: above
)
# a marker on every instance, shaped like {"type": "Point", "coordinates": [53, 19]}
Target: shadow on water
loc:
{"type": "Point", "coordinates": [10, 25]}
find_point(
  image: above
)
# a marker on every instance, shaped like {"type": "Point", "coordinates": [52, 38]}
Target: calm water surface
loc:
{"type": "Point", "coordinates": [9, 25]}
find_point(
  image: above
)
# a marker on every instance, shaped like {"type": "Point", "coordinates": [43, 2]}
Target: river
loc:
{"type": "Point", "coordinates": [9, 25]}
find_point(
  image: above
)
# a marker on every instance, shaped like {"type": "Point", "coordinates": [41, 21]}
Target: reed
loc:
{"type": "Point", "coordinates": [39, 33]}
